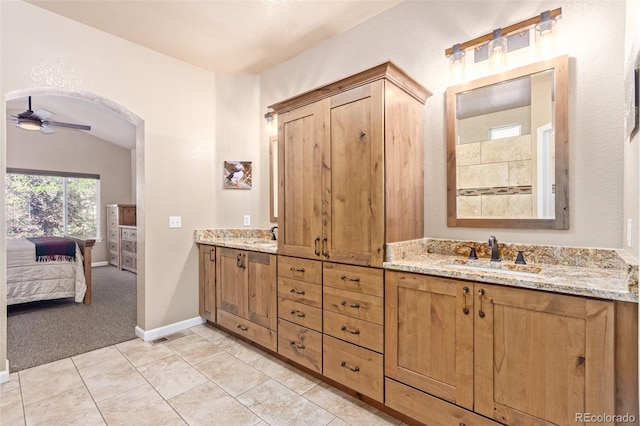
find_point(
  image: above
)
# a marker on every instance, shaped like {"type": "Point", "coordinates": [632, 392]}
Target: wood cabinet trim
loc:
{"type": "Point", "coordinates": [388, 71]}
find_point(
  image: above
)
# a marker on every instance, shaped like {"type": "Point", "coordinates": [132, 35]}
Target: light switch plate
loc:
{"type": "Point", "coordinates": [175, 221]}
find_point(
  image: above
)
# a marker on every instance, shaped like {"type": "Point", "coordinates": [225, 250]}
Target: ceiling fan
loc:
{"type": "Point", "coordinates": [39, 120]}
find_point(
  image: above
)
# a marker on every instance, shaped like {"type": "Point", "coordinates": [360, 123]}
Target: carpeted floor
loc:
{"type": "Point", "coordinates": [42, 332]}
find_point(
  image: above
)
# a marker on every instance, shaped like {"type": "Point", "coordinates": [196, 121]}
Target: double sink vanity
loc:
{"type": "Point", "coordinates": [353, 293]}
{"type": "Point", "coordinates": [436, 336]}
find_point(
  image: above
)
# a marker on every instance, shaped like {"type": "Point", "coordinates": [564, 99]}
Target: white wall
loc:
{"type": "Point", "coordinates": [238, 135]}
{"type": "Point", "coordinates": [632, 144]}
{"type": "Point", "coordinates": [415, 34]}
{"type": "Point", "coordinates": [74, 151]}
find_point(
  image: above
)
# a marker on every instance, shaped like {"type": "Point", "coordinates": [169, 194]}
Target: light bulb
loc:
{"type": "Point", "coordinates": [545, 36]}
{"type": "Point", "coordinates": [498, 51]}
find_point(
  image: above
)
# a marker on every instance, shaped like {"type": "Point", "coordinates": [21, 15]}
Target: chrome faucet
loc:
{"type": "Point", "coordinates": [495, 251]}
{"type": "Point", "coordinates": [273, 232]}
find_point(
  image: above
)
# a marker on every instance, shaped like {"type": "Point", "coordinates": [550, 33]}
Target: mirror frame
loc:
{"type": "Point", "coordinates": [273, 179]}
{"type": "Point", "coordinates": [560, 66]}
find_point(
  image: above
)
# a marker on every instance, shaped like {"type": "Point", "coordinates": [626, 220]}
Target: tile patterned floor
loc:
{"type": "Point", "coordinates": [205, 377]}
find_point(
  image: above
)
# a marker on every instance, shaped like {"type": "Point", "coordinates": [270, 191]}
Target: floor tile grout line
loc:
{"type": "Point", "coordinates": [95, 403]}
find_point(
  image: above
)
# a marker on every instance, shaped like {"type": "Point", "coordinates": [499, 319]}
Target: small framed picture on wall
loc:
{"type": "Point", "coordinates": [237, 175]}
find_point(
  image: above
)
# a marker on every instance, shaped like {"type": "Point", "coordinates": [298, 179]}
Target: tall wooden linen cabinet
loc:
{"type": "Point", "coordinates": [350, 179]}
{"type": "Point", "coordinates": [350, 165]}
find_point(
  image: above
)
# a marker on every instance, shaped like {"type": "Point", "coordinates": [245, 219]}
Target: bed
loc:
{"type": "Point", "coordinates": [52, 276]}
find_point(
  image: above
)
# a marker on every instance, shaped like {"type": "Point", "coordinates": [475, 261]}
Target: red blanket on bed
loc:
{"type": "Point", "coordinates": [52, 249]}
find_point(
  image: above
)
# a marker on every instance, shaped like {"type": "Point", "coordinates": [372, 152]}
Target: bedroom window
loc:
{"type": "Point", "coordinates": [52, 203]}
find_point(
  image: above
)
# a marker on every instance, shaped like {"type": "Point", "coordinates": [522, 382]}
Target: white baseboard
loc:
{"type": "Point", "coordinates": [104, 263]}
{"type": "Point", "coordinates": [4, 375]}
{"type": "Point", "coordinates": [168, 329]}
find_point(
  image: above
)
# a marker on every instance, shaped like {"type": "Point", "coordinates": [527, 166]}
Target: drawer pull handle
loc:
{"type": "Point", "coordinates": [242, 327]}
{"type": "Point", "coordinates": [293, 290]}
{"type": "Point", "coordinates": [295, 345]}
{"type": "Point", "coordinates": [344, 328]}
{"type": "Point", "coordinates": [355, 305]}
{"type": "Point", "coordinates": [324, 248]}
{"type": "Point", "coordinates": [316, 246]}
{"type": "Point", "coordinates": [345, 278]}
{"type": "Point", "coordinates": [294, 269]}
{"type": "Point", "coordinates": [343, 364]}
{"type": "Point", "coordinates": [298, 314]}
{"type": "Point", "coordinates": [465, 290]}
{"type": "Point", "coordinates": [480, 311]}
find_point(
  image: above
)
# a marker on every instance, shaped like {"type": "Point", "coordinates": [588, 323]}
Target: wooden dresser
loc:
{"type": "Point", "coordinates": [121, 235]}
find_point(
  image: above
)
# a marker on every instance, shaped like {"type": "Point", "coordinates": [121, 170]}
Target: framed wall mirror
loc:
{"type": "Point", "coordinates": [507, 149]}
{"type": "Point", "coordinates": [273, 179]}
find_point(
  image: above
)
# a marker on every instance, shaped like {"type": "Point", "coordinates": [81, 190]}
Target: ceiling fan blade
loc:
{"type": "Point", "coordinates": [42, 114]}
{"type": "Point", "coordinates": [69, 125]}
{"type": "Point", "coordinates": [46, 130]}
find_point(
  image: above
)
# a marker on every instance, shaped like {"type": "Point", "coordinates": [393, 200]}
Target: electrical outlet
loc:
{"type": "Point", "coordinates": [247, 220]}
{"type": "Point", "coordinates": [175, 221]}
{"type": "Point", "coordinates": [629, 232]}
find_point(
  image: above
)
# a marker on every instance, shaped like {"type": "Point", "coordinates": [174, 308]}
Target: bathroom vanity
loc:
{"type": "Point", "coordinates": [448, 340]}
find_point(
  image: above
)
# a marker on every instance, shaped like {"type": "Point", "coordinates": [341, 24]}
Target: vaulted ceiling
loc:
{"type": "Point", "coordinates": [222, 36]}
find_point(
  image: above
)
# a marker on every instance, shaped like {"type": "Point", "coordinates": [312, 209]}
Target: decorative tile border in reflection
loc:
{"type": "Point", "coordinates": [496, 190]}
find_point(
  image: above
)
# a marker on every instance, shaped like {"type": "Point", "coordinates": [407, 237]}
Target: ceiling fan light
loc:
{"type": "Point", "coordinates": [28, 125]}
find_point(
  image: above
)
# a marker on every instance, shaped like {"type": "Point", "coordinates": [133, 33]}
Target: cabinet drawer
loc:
{"type": "Point", "coordinates": [256, 333]}
{"type": "Point", "coordinates": [300, 269]}
{"type": "Point", "coordinates": [357, 305]}
{"type": "Point", "coordinates": [300, 344]}
{"type": "Point", "coordinates": [128, 262]}
{"type": "Point", "coordinates": [357, 368]}
{"type": "Point", "coordinates": [353, 330]}
{"type": "Point", "coordinates": [113, 234]}
{"type": "Point", "coordinates": [428, 409]}
{"type": "Point", "coordinates": [354, 278]}
{"type": "Point", "coordinates": [128, 245]}
{"type": "Point", "coordinates": [130, 234]}
{"type": "Point", "coordinates": [114, 259]}
{"type": "Point", "coordinates": [112, 222]}
{"type": "Point", "coordinates": [300, 291]}
{"type": "Point", "coordinates": [300, 313]}
{"type": "Point", "coordinates": [113, 246]}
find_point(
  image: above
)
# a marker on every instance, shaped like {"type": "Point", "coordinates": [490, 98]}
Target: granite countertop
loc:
{"type": "Point", "coordinates": [244, 239]}
{"type": "Point", "coordinates": [601, 273]}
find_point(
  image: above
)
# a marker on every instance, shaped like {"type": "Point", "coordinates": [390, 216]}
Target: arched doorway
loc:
{"type": "Point", "coordinates": [113, 108]}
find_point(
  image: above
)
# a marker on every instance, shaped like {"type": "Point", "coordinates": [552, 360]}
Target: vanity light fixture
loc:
{"type": "Point", "coordinates": [496, 44]}
{"type": "Point", "coordinates": [270, 116]}
{"type": "Point", "coordinates": [456, 66]}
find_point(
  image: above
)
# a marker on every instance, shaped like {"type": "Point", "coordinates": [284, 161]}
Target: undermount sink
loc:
{"type": "Point", "coordinates": [495, 267]}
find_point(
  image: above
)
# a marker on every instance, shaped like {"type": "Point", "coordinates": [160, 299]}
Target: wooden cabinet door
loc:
{"type": "Point", "coordinates": [429, 335]}
{"type": "Point", "coordinates": [207, 281]}
{"type": "Point", "coordinates": [353, 209]}
{"type": "Point", "coordinates": [262, 302]}
{"type": "Point", "coordinates": [301, 139]}
{"type": "Point", "coordinates": [231, 281]}
{"type": "Point", "coordinates": [542, 358]}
